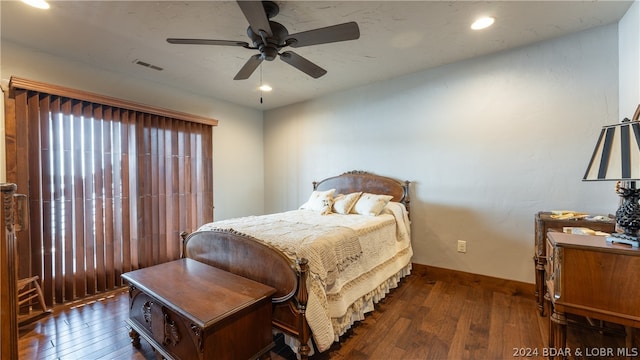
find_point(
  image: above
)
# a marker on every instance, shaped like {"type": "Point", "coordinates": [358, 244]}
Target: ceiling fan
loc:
{"type": "Point", "coordinates": [269, 37]}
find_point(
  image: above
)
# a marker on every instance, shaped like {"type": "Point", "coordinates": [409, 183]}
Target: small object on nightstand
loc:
{"type": "Point", "coordinates": [567, 215]}
{"type": "Point", "coordinates": [598, 218]}
{"type": "Point", "coordinates": [583, 231]}
{"type": "Point", "coordinates": [578, 230]}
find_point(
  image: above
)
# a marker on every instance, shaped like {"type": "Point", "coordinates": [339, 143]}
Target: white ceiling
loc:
{"type": "Point", "coordinates": [397, 38]}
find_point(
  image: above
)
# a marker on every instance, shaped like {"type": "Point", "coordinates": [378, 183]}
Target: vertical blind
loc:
{"type": "Point", "coordinates": [110, 189]}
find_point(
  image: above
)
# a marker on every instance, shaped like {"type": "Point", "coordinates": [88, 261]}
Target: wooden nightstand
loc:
{"type": "Point", "coordinates": [544, 223]}
{"type": "Point", "coordinates": [587, 276]}
{"type": "Point", "coordinates": [188, 310]}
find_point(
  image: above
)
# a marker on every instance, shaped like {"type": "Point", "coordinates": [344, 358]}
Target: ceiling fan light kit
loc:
{"type": "Point", "coordinates": [270, 37]}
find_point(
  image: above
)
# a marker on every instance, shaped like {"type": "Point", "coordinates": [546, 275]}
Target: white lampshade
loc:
{"type": "Point", "coordinates": [617, 154]}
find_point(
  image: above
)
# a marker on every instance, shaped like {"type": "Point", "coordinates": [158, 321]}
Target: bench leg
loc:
{"type": "Point", "coordinates": [135, 338]}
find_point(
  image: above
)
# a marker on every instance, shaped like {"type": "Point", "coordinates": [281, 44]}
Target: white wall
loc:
{"type": "Point", "coordinates": [237, 140]}
{"type": "Point", "coordinates": [629, 50]}
{"type": "Point", "coordinates": [486, 143]}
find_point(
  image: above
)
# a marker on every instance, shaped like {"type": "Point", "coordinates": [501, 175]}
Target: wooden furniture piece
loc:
{"type": "Point", "coordinates": [28, 290]}
{"type": "Point", "coordinates": [188, 310]}
{"type": "Point", "coordinates": [587, 276]}
{"type": "Point", "coordinates": [8, 275]}
{"type": "Point", "coordinates": [244, 255]}
{"type": "Point", "coordinates": [544, 223]}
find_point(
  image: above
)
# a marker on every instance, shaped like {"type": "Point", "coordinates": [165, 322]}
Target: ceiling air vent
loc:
{"type": "Point", "coordinates": [146, 64]}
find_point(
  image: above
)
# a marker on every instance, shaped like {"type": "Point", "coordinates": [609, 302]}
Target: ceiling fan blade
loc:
{"type": "Point", "coordinates": [329, 34]}
{"type": "Point", "coordinates": [207, 42]}
{"type": "Point", "coordinates": [302, 64]}
{"type": "Point", "coordinates": [255, 14]}
{"type": "Point", "coordinates": [249, 67]}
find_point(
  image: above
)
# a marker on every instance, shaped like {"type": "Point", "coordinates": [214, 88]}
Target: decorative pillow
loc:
{"type": "Point", "coordinates": [320, 201]}
{"type": "Point", "coordinates": [342, 204]}
{"type": "Point", "coordinates": [371, 204]}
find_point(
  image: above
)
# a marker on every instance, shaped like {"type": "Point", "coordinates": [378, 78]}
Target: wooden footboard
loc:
{"type": "Point", "coordinates": [243, 255]}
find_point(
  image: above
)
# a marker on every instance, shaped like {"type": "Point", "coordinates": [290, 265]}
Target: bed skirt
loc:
{"type": "Point", "coordinates": [357, 310]}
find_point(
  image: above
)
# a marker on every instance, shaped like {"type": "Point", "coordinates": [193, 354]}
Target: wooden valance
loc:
{"type": "Point", "coordinates": [20, 83]}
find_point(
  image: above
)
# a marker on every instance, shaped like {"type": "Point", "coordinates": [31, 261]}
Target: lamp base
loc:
{"type": "Point", "coordinates": [624, 239]}
{"type": "Point", "coordinates": [627, 216]}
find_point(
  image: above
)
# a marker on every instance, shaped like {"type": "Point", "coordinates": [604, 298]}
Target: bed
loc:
{"type": "Point", "coordinates": [330, 261]}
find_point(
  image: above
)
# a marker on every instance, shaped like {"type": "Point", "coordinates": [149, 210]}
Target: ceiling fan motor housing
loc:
{"type": "Point", "coordinates": [269, 46]}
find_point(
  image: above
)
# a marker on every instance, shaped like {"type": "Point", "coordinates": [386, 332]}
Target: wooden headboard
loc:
{"type": "Point", "coordinates": [354, 181]}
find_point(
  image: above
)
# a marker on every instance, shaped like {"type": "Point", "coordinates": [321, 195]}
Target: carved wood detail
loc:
{"type": "Point", "coordinates": [171, 333]}
{"type": "Point", "coordinates": [197, 331]}
{"type": "Point", "coordinates": [146, 312]}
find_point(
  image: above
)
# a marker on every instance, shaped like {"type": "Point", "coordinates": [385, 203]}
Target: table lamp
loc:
{"type": "Point", "coordinates": [616, 157]}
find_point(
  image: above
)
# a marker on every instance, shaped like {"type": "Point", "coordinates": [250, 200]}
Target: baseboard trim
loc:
{"type": "Point", "coordinates": [511, 287]}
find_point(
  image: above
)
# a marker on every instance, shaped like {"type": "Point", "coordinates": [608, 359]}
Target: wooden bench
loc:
{"type": "Point", "coordinates": [189, 310]}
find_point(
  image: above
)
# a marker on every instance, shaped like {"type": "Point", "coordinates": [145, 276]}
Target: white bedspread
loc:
{"type": "Point", "coordinates": [353, 259]}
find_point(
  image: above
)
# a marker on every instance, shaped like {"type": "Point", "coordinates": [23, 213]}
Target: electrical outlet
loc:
{"type": "Point", "coordinates": [462, 246]}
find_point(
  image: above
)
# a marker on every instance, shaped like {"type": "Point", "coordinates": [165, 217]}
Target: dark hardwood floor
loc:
{"type": "Point", "coordinates": [434, 314]}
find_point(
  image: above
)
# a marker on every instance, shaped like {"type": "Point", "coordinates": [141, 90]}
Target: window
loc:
{"type": "Point", "coordinates": [111, 185]}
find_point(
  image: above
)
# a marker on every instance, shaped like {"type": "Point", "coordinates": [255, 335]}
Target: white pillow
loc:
{"type": "Point", "coordinates": [342, 204]}
{"type": "Point", "coordinates": [320, 201]}
{"type": "Point", "coordinates": [371, 204]}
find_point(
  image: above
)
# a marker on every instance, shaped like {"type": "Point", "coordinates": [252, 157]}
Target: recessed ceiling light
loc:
{"type": "Point", "coordinates": [265, 87]}
{"type": "Point", "coordinates": [40, 4]}
{"type": "Point", "coordinates": [483, 23]}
